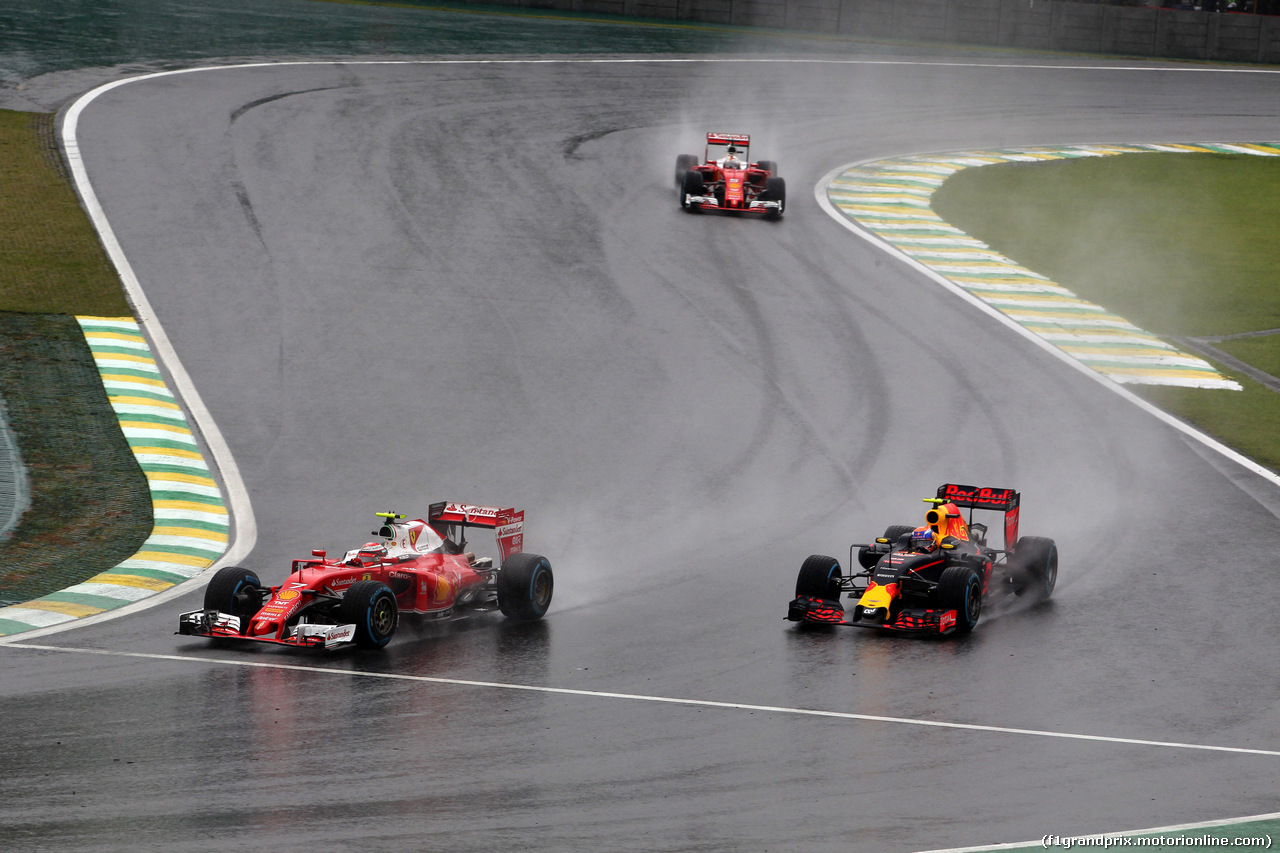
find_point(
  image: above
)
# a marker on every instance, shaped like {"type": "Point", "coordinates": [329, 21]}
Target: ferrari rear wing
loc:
{"type": "Point", "coordinates": [718, 145]}
{"type": "Point", "coordinates": [1000, 500]}
{"type": "Point", "coordinates": [507, 523]}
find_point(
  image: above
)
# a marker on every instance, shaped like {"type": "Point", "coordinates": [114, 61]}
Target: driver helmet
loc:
{"type": "Point", "coordinates": [731, 157]}
{"type": "Point", "coordinates": [371, 553]}
{"type": "Point", "coordinates": [922, 539]}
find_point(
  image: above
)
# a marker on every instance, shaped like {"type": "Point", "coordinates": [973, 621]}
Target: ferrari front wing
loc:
{"type": "Point", "coordinates": [217, 625]}
{"type": "Point", "coordinates": [710, 202]}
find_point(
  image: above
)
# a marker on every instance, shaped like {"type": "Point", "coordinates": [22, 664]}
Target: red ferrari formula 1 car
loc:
{"type": "Point", "coordinates": [935, 578]}
{"type": "Point", "coordinates": [728, 181]}
{"type": "Point", "coordinates": [416, 566]}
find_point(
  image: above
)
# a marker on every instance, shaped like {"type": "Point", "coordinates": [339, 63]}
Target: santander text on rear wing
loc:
{"type": "Point", "coordinates": [1000, 500]}
{"type": "Point", "coordinates": [506, 523]}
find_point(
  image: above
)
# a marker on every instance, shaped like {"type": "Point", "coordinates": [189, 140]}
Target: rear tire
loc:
{"type": "Point", "coordinates": [960, 589]}
{"type": "Point", "coordinates": [894, 532]}
{"type": "Point", "coordinates": [775, 189]}
{"type": "Point", "coordinates": [525, 584]}
{"type": "Point", "coordinates": [819, 578]}
{"type": "Point", "coordinates": [1034, 567]}
{"type": "Point", "coordinates": [684, 162]}
{"type": "Point", "coordinates": [234, 590]}
{"type": "Point", "coordinates": [371, 607]}
{"type": "Point", "coordinates": [770, 167]}
{"type": "Point", "coordinates": [691, 184]}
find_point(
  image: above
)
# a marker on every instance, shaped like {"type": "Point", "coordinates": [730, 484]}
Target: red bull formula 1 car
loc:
{"type": "Point", "coordinates": [935, 578]}
{"type": "Point", "coordinates": [726, 180]}
{"type": "Point", "coordinates": [416, 566]}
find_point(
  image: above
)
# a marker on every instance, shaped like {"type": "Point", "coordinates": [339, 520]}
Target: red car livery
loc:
{"type": "Point", "coordinates": [728, 181]}
{"type": "Point", "coordinates": [419, 567]}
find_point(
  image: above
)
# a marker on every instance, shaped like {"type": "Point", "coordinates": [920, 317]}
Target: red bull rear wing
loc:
{"type": "Point", "coordinates": [972, 497]}
{"type": "Point", "coordinates": [1000, 500]}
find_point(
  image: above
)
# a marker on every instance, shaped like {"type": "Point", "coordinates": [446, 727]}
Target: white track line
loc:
{"type": "Point", "coordinates": [639, 697]}
{"type": "Point", "coordinates": [1153, 830]}
{"type": "Point", "coordinates": [244, 526]}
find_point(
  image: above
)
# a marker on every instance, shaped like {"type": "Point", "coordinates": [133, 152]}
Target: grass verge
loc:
{"type": "Point", "coordinates": [1179, 244]}
{"type": "Point", "coordinates": [90, 507]}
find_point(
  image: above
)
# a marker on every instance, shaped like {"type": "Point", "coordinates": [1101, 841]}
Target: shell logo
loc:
{"type": "Point", "coordinates": [443, 590]}
{"type": "Point", "coordinates": [287, 594]}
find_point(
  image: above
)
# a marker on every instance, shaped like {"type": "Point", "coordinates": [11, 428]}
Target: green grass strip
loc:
{"type": "Point", "coordinates": [51, 261]}
{"type": "Point", "coordinates": [1182, 244]}
{"type": "Point", "coordinates": [90, 503]}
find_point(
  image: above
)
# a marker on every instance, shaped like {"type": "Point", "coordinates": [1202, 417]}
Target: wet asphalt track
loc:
{"type": "Point", "coordinates": [401, 283]}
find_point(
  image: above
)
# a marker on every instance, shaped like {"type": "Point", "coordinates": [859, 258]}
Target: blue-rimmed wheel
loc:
{"type": "Point", "coordinates": [819, 578]}
{"type": "Point", "coordinates": [371, 607]}
{"type": "Point", "coordinates": [960, 589]}
{"type": "Point", "coordinates": [691, 184]}
{"type": "Point", "coordinates": [525, 584]}
{"type": "Point", "coordinates": [234, 590]}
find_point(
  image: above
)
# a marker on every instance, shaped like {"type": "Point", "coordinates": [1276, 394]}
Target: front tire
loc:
{"type": "Point", "coordinates": [525, 584]}
{"type": "Point", "coordinates": [1034, 566]}
{"type": "Point", "coordinates": [819, 578]}
{"type": "Point", "coordinates": [691, 184]}
{"type": "Point", "coordinates": [234, 590]}
{"type": "Point", "coordinates": [960, 589]}
{"type": "Point", "coordinates": [371, 607]}
{"type": "Point", "coordinates": [684, 162]}
{"type": "Point", "coordinates": [775, 189]}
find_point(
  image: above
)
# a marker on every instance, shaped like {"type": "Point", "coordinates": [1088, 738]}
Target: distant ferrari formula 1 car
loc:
{"type": "Point", "coordinates": [728, 181]}
{"type": "Point", "coordinates": [932, 579]}
{"type": "Point", "coordinates": [417, 567]}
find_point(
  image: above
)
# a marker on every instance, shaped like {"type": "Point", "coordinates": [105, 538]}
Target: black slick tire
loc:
{"type": "Point", "coordinates": [769, 166]}
{"type": "Point", "coordinates": [960, 589]}
{"type": "Point", "coordinates": [691, 184]}
{"type": "Point", "coordinates": [371, 607]}
{"type": "Point", "coordinates": [684, 162]}
{"type": "Point", "coordinates": [819, 578]}
{"type": "Point", "coordinates": [234, 590]}
{"type": "Point", "coordinates": [1034, 567]}
{"type": "Point", "coordinates": [525, 585]}
{"type": "Point", "coordinates": [775, 189]}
